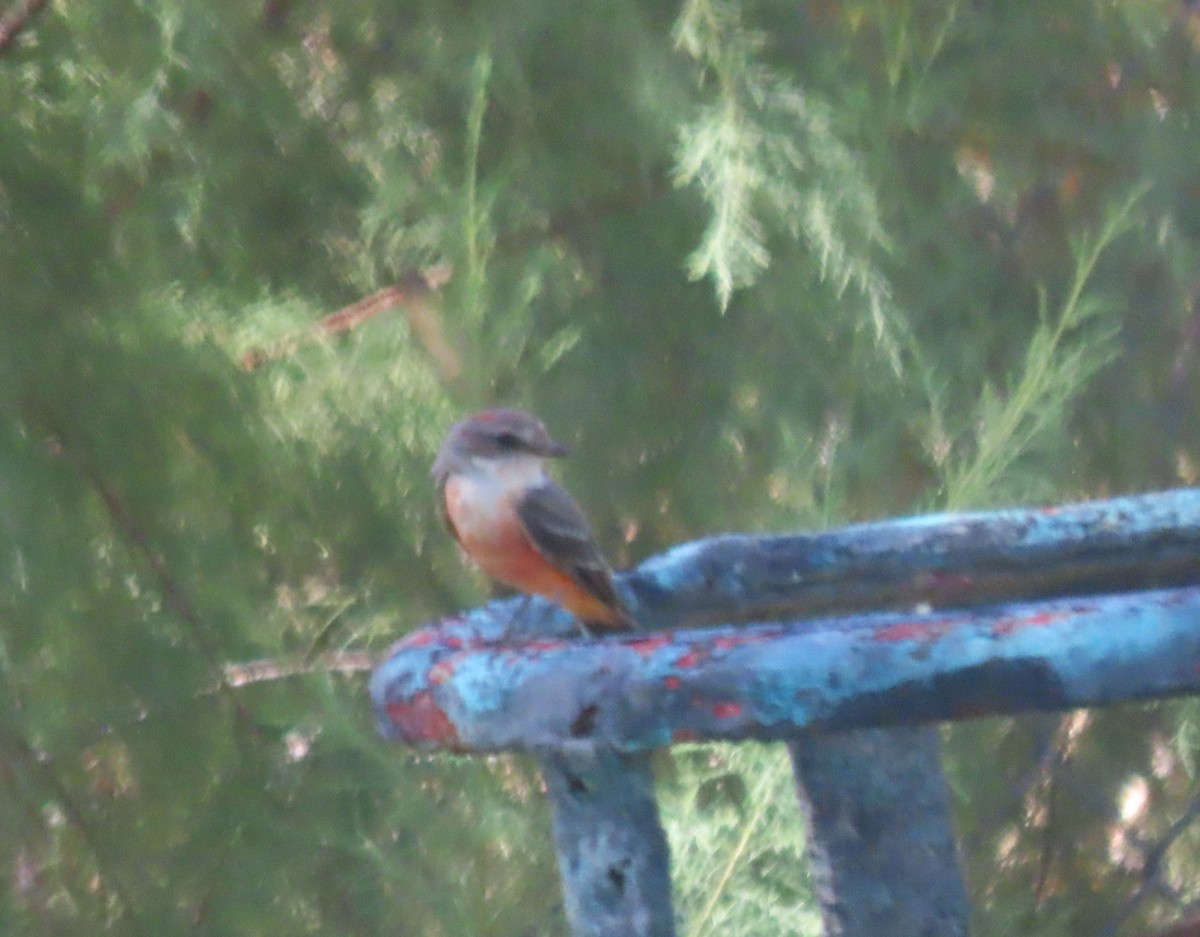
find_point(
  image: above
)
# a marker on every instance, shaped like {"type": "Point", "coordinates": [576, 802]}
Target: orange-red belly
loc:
{"type": "Point", "coordinates": [492, 534]}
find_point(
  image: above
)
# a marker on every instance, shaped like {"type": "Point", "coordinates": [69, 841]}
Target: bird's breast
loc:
{"type": "Point", "coordinates": [482, 508]}
{"type": "Point", "coordinates": [483, 513]}
{"type": "Point", "coordinates": [487, 524]}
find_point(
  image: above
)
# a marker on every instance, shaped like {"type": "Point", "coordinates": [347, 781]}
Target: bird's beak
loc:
{"type": "Point", "coordinates": [554, 450]}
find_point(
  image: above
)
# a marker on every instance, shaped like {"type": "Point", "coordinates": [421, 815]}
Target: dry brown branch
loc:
{"type": "Point", "coordinates": [14, 20]}
{"type": "Point", "coordinates": [275, 14]}
{"type": "Point", "coordinates": [412, 294]}
{"type": "Point", "coordinates": [138, 540]}
{"type": "Point", "coordinates": [1188, 928]}
{"type": "Point", "coordinates": [414, 291]}
{"type": "Point", "coordinates": [259, 671]}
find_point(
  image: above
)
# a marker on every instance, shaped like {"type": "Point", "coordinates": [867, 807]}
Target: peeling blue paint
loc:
{"type": "Point", "coordinates": [1140, 542]}
{"type": "Point", "coordinates": [1023, 610]}
{"type": "Point", "coordinates": [613, 855]}
{"type": "Point", "coordinates": [769, 681]}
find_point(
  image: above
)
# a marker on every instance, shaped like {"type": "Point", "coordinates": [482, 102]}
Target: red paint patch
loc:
{"type": "Point", "coordinates": [420, 719]}
{"type": "Point", "coordinates": [1007, 626]}
{"type": "Point", "coordinates": [703, 650]}
{"type": "Point", "coordinates": [727, 710]}
{"type": "Point", "coordinates": [430, 637]}
{"type": "Point", "coordinates": [542, 644]}
{"type": "Point", "coordinates": [683, 735]}
{"type": "Point", "coordinates": [671, 683]}
{"type": "Point", "coordinates": [727, 642]}
{"type": "Point", "coordinates": [904, 631]}
{"type": "Point", "coordinates": [917, 630]}
{"type": "Point", "coordinates": [422, 638]}
{"type": "Point", "coordinates": [648, 645]}
{"type": "Point", "coordinates": [440, 672]}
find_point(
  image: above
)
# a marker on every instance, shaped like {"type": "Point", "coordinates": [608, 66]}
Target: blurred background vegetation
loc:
{"type": "Point", "coordinates": [767, 266]}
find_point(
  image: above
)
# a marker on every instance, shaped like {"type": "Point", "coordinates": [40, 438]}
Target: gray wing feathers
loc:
{"type": "Point", "coordinates": [559, 530]}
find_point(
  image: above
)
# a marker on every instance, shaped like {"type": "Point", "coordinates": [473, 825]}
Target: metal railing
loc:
{"type": "Point", "coordinates": [847, 644]}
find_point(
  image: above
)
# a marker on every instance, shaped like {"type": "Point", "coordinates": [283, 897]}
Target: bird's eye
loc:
{"type": "Point", "coordinates": [508, 440]}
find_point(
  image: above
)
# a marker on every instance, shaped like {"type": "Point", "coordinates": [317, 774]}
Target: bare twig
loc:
{"type": "Point", "coordinates": [1048, 852]}
{"type": "Point", "coordinates": [172, 591]}
{"type": "Point", "coordinates": [275, 14]}
{"type": "Point", "coordinates": [1190, 927]}
{"type": "Point", "coordinates": [260, 671]}
{"type": "Point", "coordinates": [411, 294]}
{"type": "Point", "coordinates": [1152, 877]}
{"type": "Point", "coordinates": [17, 748]}
{"type": "Point", "coordinates": [14, 20]}
{"type": "Point", "coordinates": [415, 290]}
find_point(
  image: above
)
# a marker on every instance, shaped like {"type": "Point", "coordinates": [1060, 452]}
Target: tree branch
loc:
{"type": "Point", "coordinates": [412, 294]}
{"type": "Point", "coordinates": [173, 593]}
{"type": "Point", "coordinates": [1152, 873]}
{"type": "Point", "coordinates": [415, 290]}
{"type": "Point", "coordinates": [17, 748]}
{"type": "Point", "coordinates": [14, 20]}
{"type": "Point", "coordinates": [268, 669]}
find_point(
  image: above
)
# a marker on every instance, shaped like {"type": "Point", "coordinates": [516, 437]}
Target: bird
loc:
{"type": "Point", "coordinates": [517, 524]}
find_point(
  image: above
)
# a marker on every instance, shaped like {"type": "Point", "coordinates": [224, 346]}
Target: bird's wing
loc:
{"type": "Point", "coordinates": [559, 531]}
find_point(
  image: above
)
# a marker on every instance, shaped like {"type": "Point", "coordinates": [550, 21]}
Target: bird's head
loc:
{"type": "Point", "coordinates": [494, 437]}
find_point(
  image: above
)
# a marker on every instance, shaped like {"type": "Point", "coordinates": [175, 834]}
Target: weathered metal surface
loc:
{"type": "Point", "coordinates": [482, 681]}
{"type": "Point", "coordinates": [1141, 542]}
{"type": "Point", "coordinates": [612, 852]}
{"type": "Point", "coordinates": [769, 682]}
{"type": "Point", "coordinates": [1150, 540]}
{"type": "Point", "coordinates": [881, 845]}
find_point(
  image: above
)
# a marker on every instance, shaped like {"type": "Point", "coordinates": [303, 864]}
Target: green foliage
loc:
{"type": "Point", "coordinates": [1061, 357]}
{"type": "Point", "coordinates": [765, 147]}
{"type": "Point", "coordinates": [736, 832]}
{"type": "Point", "coordinates": [765, 266]}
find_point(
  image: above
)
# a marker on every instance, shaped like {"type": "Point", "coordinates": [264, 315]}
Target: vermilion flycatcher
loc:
{"type": "Point", "coordinates": [522, 528]}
